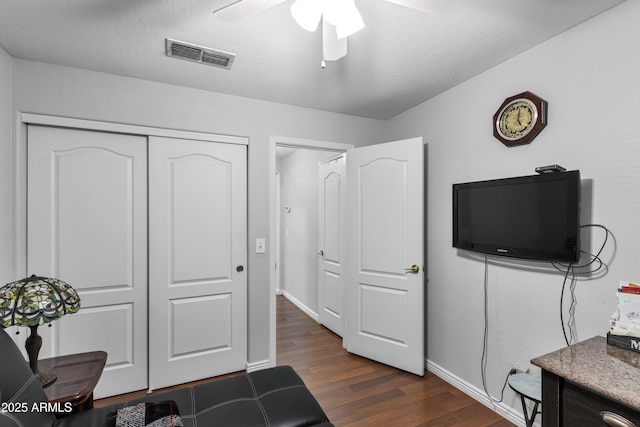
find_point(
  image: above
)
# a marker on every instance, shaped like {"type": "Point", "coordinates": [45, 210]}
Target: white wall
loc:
{"type": "Point", "coordinates": [61, 91]}
{"type": "Point", "coordinates": [6, 168]}
{"type": "Point", "coordinates": [590, 76]}
{"type": "Point", "coordinates": [299, 182]}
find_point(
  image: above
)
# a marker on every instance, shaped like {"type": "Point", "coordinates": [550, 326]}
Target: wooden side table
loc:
{"type": "Point", "coordinates": [78, 375]}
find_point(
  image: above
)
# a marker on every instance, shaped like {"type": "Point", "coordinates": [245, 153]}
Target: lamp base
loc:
{"type": "Point", "coordinates": [33, 344]}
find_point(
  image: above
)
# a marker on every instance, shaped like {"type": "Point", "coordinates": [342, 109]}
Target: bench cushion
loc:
{"type": "Point", "coordinates": [270, 397]}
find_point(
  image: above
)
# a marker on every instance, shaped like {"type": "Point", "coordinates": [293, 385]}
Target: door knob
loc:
{"type": "Point", "coordinates": [413, 269]}
{"type": "Point", "coordinates": [321, 252]}
{"type": "Point", "coordinates": [239, 269]}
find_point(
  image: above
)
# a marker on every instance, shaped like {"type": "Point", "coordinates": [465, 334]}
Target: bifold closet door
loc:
{"type": "Point", "coordinates": [87, 225]}
{"type": "Point", "coordinates": [197, 260]}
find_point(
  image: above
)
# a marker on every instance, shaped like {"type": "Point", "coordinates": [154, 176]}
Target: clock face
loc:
{"type": "Point", "coordinates": [520, 119]}
{"type": "Point", "coordinates": [517, 119]}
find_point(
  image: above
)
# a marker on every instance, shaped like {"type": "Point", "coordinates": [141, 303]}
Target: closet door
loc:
{"type": "Point", "coordinates": [197, 260]}
{"type": "Point", "coordinates": [87, 225]}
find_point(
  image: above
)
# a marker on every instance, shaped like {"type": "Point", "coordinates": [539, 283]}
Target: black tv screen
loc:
{"type": "Point", "coordinates": [533, 217]}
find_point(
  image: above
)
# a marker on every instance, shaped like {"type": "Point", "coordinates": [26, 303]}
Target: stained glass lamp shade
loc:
{"type": "Point", "coordinates": [32, 302]}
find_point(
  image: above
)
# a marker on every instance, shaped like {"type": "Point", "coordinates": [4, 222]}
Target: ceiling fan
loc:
{"type": "Point", "coordinates": [340, 18]}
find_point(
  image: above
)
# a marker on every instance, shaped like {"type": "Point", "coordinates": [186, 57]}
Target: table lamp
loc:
{"type": "Point", "coordinates": [32, 302]}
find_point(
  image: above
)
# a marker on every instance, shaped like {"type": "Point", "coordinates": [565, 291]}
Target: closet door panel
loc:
{"type": "Point", "coordinates": [197, 260]}
{"type": "Point", "coordinates": [200, 219]}
{"type": "Point", "coordinates": [86, 225]}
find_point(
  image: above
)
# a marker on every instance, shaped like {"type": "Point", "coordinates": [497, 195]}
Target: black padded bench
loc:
{"type": "Point", "coordinates": [270, 397]}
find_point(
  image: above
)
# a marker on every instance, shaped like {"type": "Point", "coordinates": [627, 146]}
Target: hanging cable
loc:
{"type": "Point", "coordinates": [571, 323]}
{"type": "Point", "coordinates": [571, 270]}
{"type": "Point", "coordinates": [485, 342]}
{"type": "Point", "coordinates": [594, 259]}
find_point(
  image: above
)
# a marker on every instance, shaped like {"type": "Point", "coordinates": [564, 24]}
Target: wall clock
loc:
{"type": "Point", "coordinates": [520, 119]}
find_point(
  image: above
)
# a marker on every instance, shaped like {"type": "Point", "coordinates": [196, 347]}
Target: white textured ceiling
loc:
{"type": "Point", "coordinates": [400, 59]}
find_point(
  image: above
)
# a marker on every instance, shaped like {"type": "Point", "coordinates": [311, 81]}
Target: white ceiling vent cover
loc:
{"type": "Point", "coordinates": [201, 54]}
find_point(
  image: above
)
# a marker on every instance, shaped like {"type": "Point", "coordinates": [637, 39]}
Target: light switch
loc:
{"type": "Point", "coordinates": [260, 246]}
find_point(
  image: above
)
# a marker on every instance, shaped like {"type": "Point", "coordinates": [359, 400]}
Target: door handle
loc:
{"type": "Point", "coordinates": [239, 269]}
{"type": "Point", "coordinates": [413, 269]}
{"type": "Point", "coordinates": [320, 252]}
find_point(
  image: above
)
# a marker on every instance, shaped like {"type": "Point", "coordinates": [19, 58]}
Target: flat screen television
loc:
{"type": "Point", "coordinates": [533, 217]}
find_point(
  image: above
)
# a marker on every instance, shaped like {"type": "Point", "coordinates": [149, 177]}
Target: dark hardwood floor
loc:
{"type": "Point", "coordinates": [355, 391]}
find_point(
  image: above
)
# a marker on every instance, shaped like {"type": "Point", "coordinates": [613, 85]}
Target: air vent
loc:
{"type": "Point", "coordinates": [203, 55]}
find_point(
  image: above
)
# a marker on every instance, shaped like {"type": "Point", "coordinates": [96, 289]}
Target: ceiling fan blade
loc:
{"type": "Point", "coordinates": [307, 13]}
{"type": "Point", "coordinates": [428, 6]}
{"type": "Point", "coordinates": [333, 48]}
{"type": "Point", "coordinates": [243, 8]}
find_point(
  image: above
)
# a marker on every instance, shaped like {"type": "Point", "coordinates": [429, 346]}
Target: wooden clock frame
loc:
{"type": "Point", "coordinates": [540, 120]}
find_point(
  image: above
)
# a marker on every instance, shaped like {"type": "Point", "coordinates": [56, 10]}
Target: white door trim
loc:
{"type": "Point", "coordinates": [284, 141]}
{"type": "Point", "coordinates": [69, 122]}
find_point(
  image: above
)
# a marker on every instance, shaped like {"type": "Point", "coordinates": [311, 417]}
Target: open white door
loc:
{"type": "Point", "coordinates": [384, 276]}
{"type": "Point", "coordinates": [331, 204]}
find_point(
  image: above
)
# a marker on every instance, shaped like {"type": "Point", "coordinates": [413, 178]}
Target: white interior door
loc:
{"type": "Point", "coordinates": [87, 225]}
{"type": "Point", "coordinates": [331, 204]}
{"type": "Point", "coordinates": [197, 260]}
{"type": "Point", "coordinates": [385, 239]}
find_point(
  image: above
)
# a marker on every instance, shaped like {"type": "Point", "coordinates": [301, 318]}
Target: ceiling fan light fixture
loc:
{"type": "Point", "coordinates": [333, 48]}
{"type": "Point", "coordinates": [307, 13]}
{"type": "Point", "coordinates": [345, 16]}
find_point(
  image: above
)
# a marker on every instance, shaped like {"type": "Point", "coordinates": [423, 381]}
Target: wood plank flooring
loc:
{"type": "Point", "coordinates": [355, 391]}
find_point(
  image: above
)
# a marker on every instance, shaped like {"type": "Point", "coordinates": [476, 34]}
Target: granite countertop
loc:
{"type": "Point", "coordinates": [611, 371]}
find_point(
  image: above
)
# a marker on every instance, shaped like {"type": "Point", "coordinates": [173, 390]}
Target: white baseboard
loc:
{"type": "Point", "coordinates": [301, 306]}
{"type": "Point", "coordinates": [258, 366]}
{"type": "Point", "coordinates": [505, 411]}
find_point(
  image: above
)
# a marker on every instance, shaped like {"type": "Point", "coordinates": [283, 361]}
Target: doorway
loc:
{"type": "Point", "coordinates": [320, 148]}
{"type": "Point", "coordinates": [297, 266]}
{"type": "Point", "coordinates": [384, 252]}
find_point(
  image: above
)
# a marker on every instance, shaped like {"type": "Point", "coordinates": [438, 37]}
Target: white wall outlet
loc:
{"type": "Point", "coordinates": [522, 368]}
{"type": "Point", "coordinates": [260, 246]}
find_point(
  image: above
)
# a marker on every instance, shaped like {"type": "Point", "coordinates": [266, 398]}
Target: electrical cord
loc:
{"type": "Point", "coordinates": [485, 343]}
{"type": "Point", "coordinates": [570, 269]}
{"type": "Point", "coordinates": [564, 283]}
{"type": "Point", "coordinates": [572, 310]}
{"type": "Point", "coordinates": [594, 258]}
